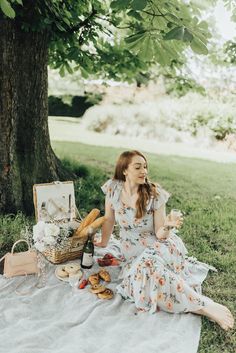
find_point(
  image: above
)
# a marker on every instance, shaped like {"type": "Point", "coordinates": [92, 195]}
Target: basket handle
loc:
{"type": "Point", "coordinates": [19, 241]}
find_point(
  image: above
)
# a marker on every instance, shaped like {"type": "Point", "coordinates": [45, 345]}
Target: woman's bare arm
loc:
{"type": "Point", "coordinates": [108, 225]}
{"type": "Point", "coordinates": [159, 219]}
{"type": "Point", "coordinates": [163, 223]}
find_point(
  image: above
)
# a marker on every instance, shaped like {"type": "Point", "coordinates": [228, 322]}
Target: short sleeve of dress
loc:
{"type": "Point", "coordinates": [112, 190]}
{"type": "Point", "coordinates": [161, 199]}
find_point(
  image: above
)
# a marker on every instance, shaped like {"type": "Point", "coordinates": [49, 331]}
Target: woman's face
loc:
{"type": "Point", "coordinates": [137, 170]}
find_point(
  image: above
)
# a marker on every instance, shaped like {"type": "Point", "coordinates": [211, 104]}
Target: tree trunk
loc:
{"type": "Point", "coordinates": [26, 156]}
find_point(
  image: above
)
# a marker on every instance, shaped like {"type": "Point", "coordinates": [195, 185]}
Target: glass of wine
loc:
{"type": "Point", "coordinates": [175, 218]}
{"type": "Point", "coordinates": [74, 282]}
{"type": "Point", "coordinates": [175, 215]}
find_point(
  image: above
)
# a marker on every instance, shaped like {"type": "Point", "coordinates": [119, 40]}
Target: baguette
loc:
{"type": "Point", "coordinates": [93, 226]}
{"type": "Point", "coordinates": [86, 221]}
{"type": "Point", "coordinates": [98, 222]}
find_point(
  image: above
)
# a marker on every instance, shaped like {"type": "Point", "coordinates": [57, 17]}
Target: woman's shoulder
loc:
{"type": "Point", "coordinates": [157, 190]}
{"type": "Point", "coordinates": [160, 190]}
{"type": "Point", "coordinates": [111, 186]}
{"type": "Point", "coordinates": [159, 196]}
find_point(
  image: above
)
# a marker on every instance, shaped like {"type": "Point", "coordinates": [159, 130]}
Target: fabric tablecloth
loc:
{"type": "Point", "coordinates": [61, 319]}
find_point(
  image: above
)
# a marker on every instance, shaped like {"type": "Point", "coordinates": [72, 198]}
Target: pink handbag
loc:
{"type": "Point", "coordinates": [21, 263]}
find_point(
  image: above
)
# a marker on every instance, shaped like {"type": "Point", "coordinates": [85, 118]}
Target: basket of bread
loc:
{"type": "Point", "coordinates": [70, 247]}
{"type": "Point", "coordinates": [58, 234]}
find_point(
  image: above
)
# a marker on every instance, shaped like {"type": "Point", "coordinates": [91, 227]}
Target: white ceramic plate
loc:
{"type": "Point", "coordinates": [78, 275]}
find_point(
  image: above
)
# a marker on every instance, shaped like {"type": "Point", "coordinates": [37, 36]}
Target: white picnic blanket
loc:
{"type": "Point", "coordinates": [62, 319]}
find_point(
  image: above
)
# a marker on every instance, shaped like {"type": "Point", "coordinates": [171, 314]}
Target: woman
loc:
{"type": "Point", "coordinates": [156, 274]}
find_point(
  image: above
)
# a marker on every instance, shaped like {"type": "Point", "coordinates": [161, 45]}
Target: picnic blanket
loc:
{"type": "Point", "coordinates": [61, 319]}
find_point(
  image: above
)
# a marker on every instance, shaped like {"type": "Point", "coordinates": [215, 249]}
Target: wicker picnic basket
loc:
{"type": "Point", "coordinates": [60, 197]}
{"type": "Point", "coordinates": [72, 251]}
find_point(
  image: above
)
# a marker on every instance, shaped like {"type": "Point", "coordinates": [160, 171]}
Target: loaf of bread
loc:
{"type": "Point", "coordinates": [97, 223]}
{"type": "Point", "coordinates": [91, 227]}
{"type": "Point", "coordinates": [86, 221]}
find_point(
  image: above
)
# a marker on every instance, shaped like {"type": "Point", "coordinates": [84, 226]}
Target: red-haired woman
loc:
{"type": "Point", "coordinates": [156, 273]}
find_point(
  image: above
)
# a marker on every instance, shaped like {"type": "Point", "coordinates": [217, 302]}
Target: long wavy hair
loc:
{"type": "Point", "coordinates": [145, 191]}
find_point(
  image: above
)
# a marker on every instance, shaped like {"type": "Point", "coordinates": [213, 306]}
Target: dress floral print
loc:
{"type": "Point", "coordinates": [156, 274]}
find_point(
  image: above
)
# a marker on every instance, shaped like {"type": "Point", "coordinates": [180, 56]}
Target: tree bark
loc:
{"type": "Point", "coordinates": [26, 156]}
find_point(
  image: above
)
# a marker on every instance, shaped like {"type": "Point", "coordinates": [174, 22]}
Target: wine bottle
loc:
{"type": "Point", "coordinates": [88, 252]}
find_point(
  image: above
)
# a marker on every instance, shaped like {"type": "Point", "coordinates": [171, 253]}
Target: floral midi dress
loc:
{"type": "Point", "coordinates": [155, 274]}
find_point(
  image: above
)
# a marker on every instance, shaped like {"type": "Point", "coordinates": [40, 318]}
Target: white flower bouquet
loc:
{"type": "Point", "coordinates": [51, 236]}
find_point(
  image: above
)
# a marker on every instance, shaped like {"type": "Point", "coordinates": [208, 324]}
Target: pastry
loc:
{"type": "Point", "coordinates": [97, 288]}
{"type": "Point", "coordinates": [72, 268]}
{"type": "Point", "coordinates": [61, 272]}
{"type": "Point", "coordinates": [86, 221]}
{"type": "Point", "coordinates": [94, 279]}
{"type": "Point", "coordinates": [103, 274]}
{"type": "Point", "coordinates": [107, 294]}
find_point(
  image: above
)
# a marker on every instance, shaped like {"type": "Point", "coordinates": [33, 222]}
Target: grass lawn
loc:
{"type": "Point", "coordinates": [206, 192]}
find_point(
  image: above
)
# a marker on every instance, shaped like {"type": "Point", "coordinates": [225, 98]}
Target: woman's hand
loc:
{"type": "Point", "coordinates": [100, 244]}
{"type": "Point", "coordinates": [171, 222]}
{"type": "Point", "coordinates": [163, 233]}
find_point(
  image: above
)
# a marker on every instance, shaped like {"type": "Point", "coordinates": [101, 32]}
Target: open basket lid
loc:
{"type": "Point", "coordinates": [54, 201]}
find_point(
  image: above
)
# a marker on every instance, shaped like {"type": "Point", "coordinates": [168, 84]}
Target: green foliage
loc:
{"type": "Point", "coordinates": [88, 193]}
{"type": "Point", "coordinates": [166, 29]}
{"type": "Point", "coordinates": [94, 98]}
{"type": "Point", "coordinates": [231, 6]}
{"type": "Point", "coordinates": [81, 171]}
{"type": "Point", "coordinates": [11, 227]}
{"type": "Point", "coordinates": [230, 52]}
{"type": "Point", "coordinates": [74, 106]}
{"type": "Point", "coordinates": [180, 85]}
{"type": "Point", "coordinates": [7, 8]}
{"type": "Point", "coordinates": [118, 39]}
{"type": "Point", "coordinates": [222, 126]}
{"type": "Point", "coordinates": [179, 33]}
{"type": "Point", "coordinates": [125, 65]}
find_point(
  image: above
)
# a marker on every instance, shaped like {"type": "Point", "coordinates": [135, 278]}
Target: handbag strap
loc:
{"type": "Point", "coordinates": [41, 277]}
{"type": "Point", "coordinates": [13, 246]}
{"type": "Point", "coordinates": [19, 241]}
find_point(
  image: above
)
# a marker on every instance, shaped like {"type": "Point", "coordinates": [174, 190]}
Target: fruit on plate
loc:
{"type": "Point", "coordinates": [108, 256]}
{"type": "Point", "coordinates": [108, 260]}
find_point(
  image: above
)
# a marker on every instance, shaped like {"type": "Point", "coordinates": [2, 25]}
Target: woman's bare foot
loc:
{"type": "Point", "coordinates": [218, 313]}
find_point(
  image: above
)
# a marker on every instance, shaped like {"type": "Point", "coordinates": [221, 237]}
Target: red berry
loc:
{"type": "Point", "coordinates": [115, 262]}
{"type": "Point", "coordinates": [83, 284]}
{"type": "Point", "coordinates": [108, 256]}
{"type": "Point", "coordinates": [104, 262]}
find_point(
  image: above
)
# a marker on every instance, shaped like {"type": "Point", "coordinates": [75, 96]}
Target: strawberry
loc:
{"type": "Point", "coordinates": [83, 284]}
{"type": "Point", "coordinates": [104, 262]}
{"type": "Point", "coordinates": [115, 262]}
{"type": "Point", "coordinates": [108, 256]}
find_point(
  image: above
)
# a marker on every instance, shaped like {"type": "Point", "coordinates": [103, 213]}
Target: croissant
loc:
{"type": "Point", "coordinates": [86, 221]}
{"type": "Point", "coordinates": [107, 294]}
